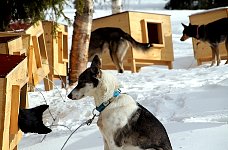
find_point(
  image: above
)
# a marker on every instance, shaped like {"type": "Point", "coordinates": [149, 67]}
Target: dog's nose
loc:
{"type": "Point", "coordinates": [69, 96]}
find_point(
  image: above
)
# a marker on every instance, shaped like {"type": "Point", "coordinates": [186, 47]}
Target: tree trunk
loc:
{"type": "Point", "coordinates": [80, 39]}
{"type": "Point", "coordinates": [116, 6]}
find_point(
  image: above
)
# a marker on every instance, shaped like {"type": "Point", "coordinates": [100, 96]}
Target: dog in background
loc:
{"type": "Point", "coordinates": [213, 33]}
{"type": "Point", "coordinates": [123, 123]}
{"type": "Point", "coordinates": [116, 41]}
{"type": "Point", "coordinates": [30, 120]}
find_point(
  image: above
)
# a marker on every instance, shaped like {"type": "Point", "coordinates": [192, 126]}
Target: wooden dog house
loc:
{"type": "Point", "coordinates": [13, 95]}
{"type": "Point", "coordinates": [202, 51]}
{"type": "Point", "coordinates": [34, 46]}
{"type": "Point", "coordinates": [143, 27]}
{"type": "Point", "coordinates": [12, 45]}
{"type": "Point", "coordinates": [39, 69]}
{"type": "Point", "coordinates": [56, 38]}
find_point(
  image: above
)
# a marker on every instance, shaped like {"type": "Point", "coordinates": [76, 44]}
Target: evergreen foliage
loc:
{"type": "Point", "coordinates": [29, 10]}
{"type": "Point", "coordinates": [195, 4]}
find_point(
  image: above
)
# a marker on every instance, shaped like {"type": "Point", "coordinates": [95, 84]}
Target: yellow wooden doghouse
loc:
{"type": "Point", "coordinates": [56, 38]}
{"type": "Point", "coordinates": [12, 45]}
{"type": "Point", "coordinates": [34, 46]}
{"type": "Point", "coordinates": [39, 69]}
{"type": "Point", "coordinates": [13, 95]}
{"type": "Point", "coordinates": [202, 51]}
{"type": "Point", "coordinates": [143, 27]}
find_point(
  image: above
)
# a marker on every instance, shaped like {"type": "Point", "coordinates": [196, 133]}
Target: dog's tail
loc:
{"type": "Point", "coordinates": [137, 45]}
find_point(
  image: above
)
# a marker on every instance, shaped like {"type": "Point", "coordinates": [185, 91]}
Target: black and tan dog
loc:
{"type": "Point", "coordinates": [116, 41]}
{"type": "Point", "coordinates": [213, 33]}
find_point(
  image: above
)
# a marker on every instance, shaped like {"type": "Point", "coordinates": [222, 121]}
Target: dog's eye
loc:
{"type": "Point", "coordinates": [94, 77]}
{"type": "Point", "coordinates": [89, 84]}
{"type": "Point", "coordinates": [82, 83]}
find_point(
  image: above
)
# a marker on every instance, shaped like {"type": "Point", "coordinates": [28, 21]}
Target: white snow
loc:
{"type": "Point", "coordinates": [191, 101]}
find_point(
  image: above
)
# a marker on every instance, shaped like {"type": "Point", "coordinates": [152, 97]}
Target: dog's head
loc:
{"type": "Point", "coordinates": [188, 31]}
{"type": "Point", "coordinates": [87, 81]}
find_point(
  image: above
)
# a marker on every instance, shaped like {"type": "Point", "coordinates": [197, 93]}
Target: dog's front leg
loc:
{"type": "Point", "coordinates": [105, 144]}
{"type": "Point", "coordinates": [217, 55]}
{"type": "Point", "coordinates": [226, 43]}
{"type": "Point", "coordinates": [213, 55]}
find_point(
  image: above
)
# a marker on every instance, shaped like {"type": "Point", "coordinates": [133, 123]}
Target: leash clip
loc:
{"type": "Point", "coordinates": [94, 113]}
{"type": "Point", "coordinates": [88, 122]}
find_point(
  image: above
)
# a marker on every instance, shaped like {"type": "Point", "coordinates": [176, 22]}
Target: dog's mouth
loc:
{"type": "Point", "coordinates": [184, 37]}
{"type": "Point", "coordinates": [75, 96]}
{"type": "Point", "coordinates": [181, 39]}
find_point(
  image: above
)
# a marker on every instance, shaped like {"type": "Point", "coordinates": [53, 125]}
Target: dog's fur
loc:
{"type": "Point", "coordinates": [30, 120]}
{"type": "Point", "coordinates": [116, 41]}
{"type": "Point", "coordinates": [213, 33]}
{"type": "Point", "coordinates": [124, 123]}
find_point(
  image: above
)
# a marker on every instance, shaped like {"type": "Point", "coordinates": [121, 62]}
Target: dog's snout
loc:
{"type": "Point", "coordinates": [70, 96]}
{"type": "Point", "coordinates": [184, 37]}
{"type": "Point", "coordinates": [75, 95]}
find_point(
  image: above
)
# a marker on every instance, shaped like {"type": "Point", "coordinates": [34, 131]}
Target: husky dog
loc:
{"type": "Point", "coordinates": [116, 41]}
{"type": "Point", "coordinates": [123, 123]}
{"type": "Point", "coordinates": [213, 33]}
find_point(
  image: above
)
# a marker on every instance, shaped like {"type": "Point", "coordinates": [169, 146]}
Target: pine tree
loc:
{"type": "Point", "coordinates": [195, 4]}
{"type": "Point", "coordinates": [29, 10]}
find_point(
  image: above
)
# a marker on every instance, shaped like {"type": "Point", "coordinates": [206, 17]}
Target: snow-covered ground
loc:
{"type": "Point", "coordinates": [191, 101]}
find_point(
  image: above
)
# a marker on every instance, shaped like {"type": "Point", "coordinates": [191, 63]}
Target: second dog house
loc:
{"type": "Point", "coordinates": [143, 27]}
{"type": "Point", "coordinates": [57, 50]}
{"type": "Point", "coordinates": [202, 51]}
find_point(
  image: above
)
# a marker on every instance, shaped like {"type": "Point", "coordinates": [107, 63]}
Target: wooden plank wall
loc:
{"type": "Point", "coordinates": [160, 51]}
{"type": "Point", "coordinates": [57, 50]}
{"type": "Point", "coordinates": [10, 94]}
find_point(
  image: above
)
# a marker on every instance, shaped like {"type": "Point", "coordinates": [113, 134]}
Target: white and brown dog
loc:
{"type": "Point", "coordinates": [124, 123]}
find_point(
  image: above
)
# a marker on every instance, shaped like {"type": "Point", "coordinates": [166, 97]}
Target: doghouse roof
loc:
{"type": "Point", "coordinates": [131, 12]}
{"type": "Point", "coordinates": [6, 39]}
{"type": "Point", "coordinates": [210, 10]}
{"type": "Point", "coordinates": [8, 63]}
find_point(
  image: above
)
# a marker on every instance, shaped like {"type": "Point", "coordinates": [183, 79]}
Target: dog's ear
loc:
{"type": "Point", "coordinates": [184, 25]}
{"type": "Point", "coordinates": [96, 62]}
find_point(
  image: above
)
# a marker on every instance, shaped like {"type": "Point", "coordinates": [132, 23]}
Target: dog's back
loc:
{"type": "Point", "coordinates": [116, 41]}
{"type": "Point", "coordinates": [112, 34]}
{"type": "Point", "coordinates": [217, 31]}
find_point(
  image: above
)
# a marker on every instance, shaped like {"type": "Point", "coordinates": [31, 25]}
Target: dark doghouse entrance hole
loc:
{"type": "Point", "coordinates": [154, 33]}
